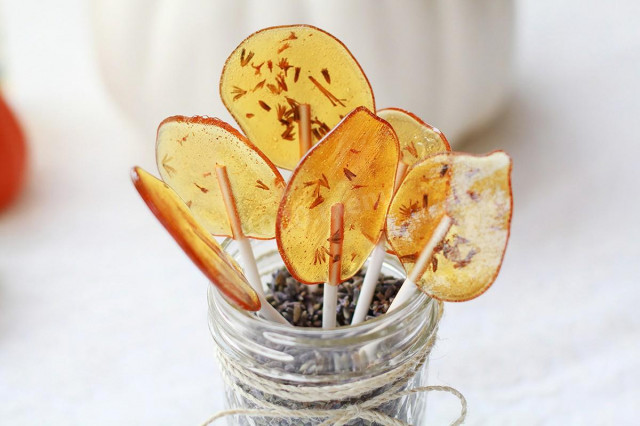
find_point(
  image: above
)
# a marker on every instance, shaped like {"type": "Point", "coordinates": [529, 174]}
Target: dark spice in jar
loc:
{"type": "Point", "coordinates": [301, 304]}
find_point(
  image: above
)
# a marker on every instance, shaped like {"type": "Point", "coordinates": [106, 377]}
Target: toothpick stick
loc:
{"type": "Point", "coordinates": [330, 297]}
{"type": "Point", "coordinates": [375, 264]}
{"type": "Point", "coordinates": [247, 257]}
{"type": "Point", "coordinates": [409, 286]}
{"type": "Point", "coordinates": [304, 128]}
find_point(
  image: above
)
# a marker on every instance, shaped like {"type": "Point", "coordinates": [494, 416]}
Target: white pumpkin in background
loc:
{"type": "Point", "coordinates": [447, 61]}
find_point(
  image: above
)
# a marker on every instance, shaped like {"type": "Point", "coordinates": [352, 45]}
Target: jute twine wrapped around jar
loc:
{"type": "Point", "coordinates": [239, 379]}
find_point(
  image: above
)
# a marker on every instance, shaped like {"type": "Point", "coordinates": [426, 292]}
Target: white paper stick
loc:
{"type": "Point", "coordinates": [247, 257]}
{"type": "Point", "coordinates": [330, 302]}
{"type": "Point", "coordinates": [369, 283]}
{"type": "Point", "coordinates": [250, 267]}
{"type": "Point", "coordinates": [409, 288]}
{"type": "Point", "coordinates": [368, 287]}
{"type": "Point", "coordinates": [330, 295]}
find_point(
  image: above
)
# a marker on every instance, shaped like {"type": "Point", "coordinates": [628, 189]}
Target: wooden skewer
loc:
{"type": "Point", "coordinates": [304, 128]}
{"type": "Point", "coordinates": [305, 143]}
{"type": "Point", "coordinates": [247, 257]}
{"type": "Point", "coordinates": [409, 286]}
{"type": "Point", "coordinates": [375, 264]}
{"type": "Point", "coordinates": [330, 296]}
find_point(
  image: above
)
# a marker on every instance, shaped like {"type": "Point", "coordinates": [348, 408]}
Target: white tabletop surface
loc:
{"type": "Point", "coordinates": [104, 321]}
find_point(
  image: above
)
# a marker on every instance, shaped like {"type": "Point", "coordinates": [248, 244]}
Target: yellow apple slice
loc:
{"type": "Point", "coordinates": [417, 139]}
{"type": "Point", "coordinates": [196, 242]}
{"type": "Point", "coordinates": [475, 191]}
{"type": "Point", "coordinates": [355, 164]}
{"type": "Point", "coordinates": [188, 149]}
{"type": "Point", "coordinates": [274, 71]}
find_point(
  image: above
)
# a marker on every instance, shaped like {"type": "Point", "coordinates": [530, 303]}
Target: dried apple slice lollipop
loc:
{"type": "Point", "coordinates": [275, 71]}
{"type": "Point", "coordinates": [197, 243]}
{"type": "Point", "coordinates": [230, 186]}
{"type": "Point", "coordinates": [475, 191]}
{"type": "Point", "coordinates": [188, 149]}
{"type": "Point", "coordinates": [417, 140]}
{"type": "Point", "coordinates": [355, 164]}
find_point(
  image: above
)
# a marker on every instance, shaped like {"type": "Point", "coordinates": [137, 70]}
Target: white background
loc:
{"type": "Point", "coordinates": [103, 320]}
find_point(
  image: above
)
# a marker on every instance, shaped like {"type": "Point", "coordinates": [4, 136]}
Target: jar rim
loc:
{"type": "Point", "coordinates": [377, 345]}
{"type": "Point", "coordinates": [418, 304]}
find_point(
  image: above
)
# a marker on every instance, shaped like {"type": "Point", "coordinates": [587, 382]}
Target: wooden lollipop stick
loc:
{"type": "Point", "coordinates": [304, 128]}
{"type": "Point", "coordinates": [304, 140]}
{"type": "Point", "coordinates": [330, 296]}
{"type": "Point", "coordinates": [247, 257]}
{"type": "Point", "coordinates": [375, 264]}
{"type": "Point", "coordinates": [409, 287]}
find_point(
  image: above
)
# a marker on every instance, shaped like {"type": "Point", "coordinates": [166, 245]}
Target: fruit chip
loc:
{"type": "Point", "coordinates": [188, 150]}
{"type": "Point", "coordinates": [276, 69]}
{"type": "Point", "coordinates": [355, 164]}
{"type": "Point", "coordinates": [417, 139]}
{"type": "Point", "coordinates": [476, 192]}
{"type": "Point", "coordinates": [196, 242]}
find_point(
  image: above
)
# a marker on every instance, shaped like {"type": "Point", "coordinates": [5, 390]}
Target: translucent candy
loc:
{"type": "Point", "coordinates": [188, 150]}
{"type": "Point", "coordinates": [276, 69]}
{"type": "Point", "coordinates": [196, 242]}
{"type": "Point", "coordinates": [476, 192]}
{"type": "Point", "coordinates": [417, 139]}
{"type": "Point", "coordinates": [355, 165]}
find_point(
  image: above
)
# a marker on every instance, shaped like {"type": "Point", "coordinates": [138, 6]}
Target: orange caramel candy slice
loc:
{"type": "Point", "coordinates": [417, 139]}
{"type": "Point", "coordinates": [475, 191]}
{"type": "Point", "coordinates": [275, 70]}
{"type": "Point", "coordinates": [355, 164]}
{"type": "Point", "coordinates": [188, 150]}
{"type": "Point", "coordinates": [196, 242]}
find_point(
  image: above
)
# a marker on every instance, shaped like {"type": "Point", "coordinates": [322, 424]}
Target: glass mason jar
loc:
{"type": "Point", "coordinates": [348, 375]}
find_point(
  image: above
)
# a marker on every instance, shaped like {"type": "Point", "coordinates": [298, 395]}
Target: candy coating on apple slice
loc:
{"type": "Point", "coordinates": [196, 242]}
{"type": "Point", "coordinates": [355, 164]}
{"type": "Point", "coordinates": [188, 150]}
{"type": "Point", "coordinates": [475, 191]}
{"type": "Point", "coordinates": [417, 139]}
{"type": "Point", "coordinates": [274, 70]}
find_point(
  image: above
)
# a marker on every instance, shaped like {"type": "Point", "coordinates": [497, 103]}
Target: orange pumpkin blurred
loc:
{"type": "Point", "coordinates": [13, 156]}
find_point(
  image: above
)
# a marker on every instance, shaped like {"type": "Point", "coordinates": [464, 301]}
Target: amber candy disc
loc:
{"type": "Point", "coordinates": [417, 139]}
{"type": "Point", "coordinates": [475, 191]}
{"type": "Point", "coordinates": [355, 164]}
{"type": "Point", "coordinates": [188, 150]}
{"type": "Point", "coordinates": [196, 242]}
{"type": "Point", "coordinates": [274, 70]}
